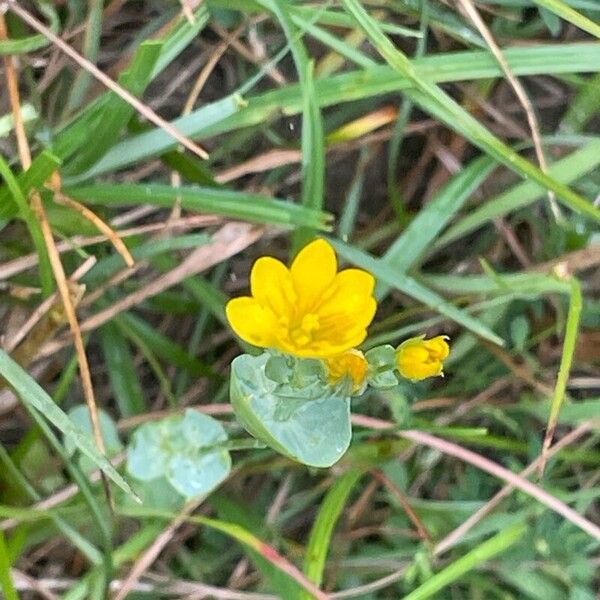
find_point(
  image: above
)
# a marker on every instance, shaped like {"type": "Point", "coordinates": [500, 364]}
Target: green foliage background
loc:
{"type": "Point", "coordinates": [436, 190]}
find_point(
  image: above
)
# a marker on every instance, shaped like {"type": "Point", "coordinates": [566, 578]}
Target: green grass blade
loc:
{"type": "Point", "coordinates": [124, 379]}
{"type": "Point", "coordinates": [481, 553]}
{"type": "Point", "coordinates": [35, 230]}
{"type": "Point", "coordinates": [584, 106]}
{"type": "Point", "coordinates": [417, 238]}
{"type": "Point", "coordinates": [567, 169]}
{"type": "Point", "coordinates": [40, 170]}
{"type": "Point", "coordinates": [566, 360]}
{"type": "Point", "coordinates": [322, 529]}
{"type": "Point", "coordinates": [435, 101]}
{"type": "Point", "coordinates": [114, 113]}
{"type": "Point", "coordinates": [563, 10]}
{"type": "Point", "coordinates": [32, 42]}
{"type": "Point", "coordinates": [228, 203]}
{"type": "Point", "coordinates": [162, 346]}
{"type": "Point", "coordinates": [313, 153]}
{"type": "Point", "coordinates": [6, 582]}
{"type": "Point", "coordinates": [233, 112]}
{"type": "Point", "coordinates": [33, 395]}
{"type": "Point", "coordinates": [411, 287]}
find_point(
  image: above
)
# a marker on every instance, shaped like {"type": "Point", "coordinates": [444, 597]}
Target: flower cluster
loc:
{"type": "Point", "coordinates": [311, 310]}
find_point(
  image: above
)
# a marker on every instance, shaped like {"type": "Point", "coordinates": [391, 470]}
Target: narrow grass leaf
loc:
{"type": "Point", "coordinates": [435, 101]}
{"type": "Point", "coordinates": [319, 540]}
{"type": "Point", "coordinates": [566, 360]}
{"type": "Point", "coordinates": [115, 112]}
{"type": "Point", "coordinates": [563, 10]}
{"type": "Point", "coordinates": [162, 346]}
{"type": "Point", "coordinates": [417, 238]}
{"type": "Point", "coordinates": [34, 396]}
{"type": "Point", "coordinates": [33, 225]}
{"type": "Point", "coordinates": [42, 166]}
{"type": "Point", "coordinates": [124, 379]}
{"type": "Point", "coordinates": [567, 170]}
{"type": "Point", "coordinates": [33, 42]}
{"type": "Point", "coordinates": [480, 554]}
{"type": "Point", "coordinates": [228, 203]}
{"type": "Point", "coordinates": [234, 112]}
{"type": "Point", "coordinates": [6, 582]}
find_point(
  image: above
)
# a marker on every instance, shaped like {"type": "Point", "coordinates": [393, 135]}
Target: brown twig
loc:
{"type": "Point", "coordinates": [53, 255]}
{"type": "Point", "coordinates": [403, 501]}
{"type": "Point", "coordinates": [473, 14]}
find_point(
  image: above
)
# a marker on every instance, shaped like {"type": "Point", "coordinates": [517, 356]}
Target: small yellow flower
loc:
{"type": "Point", "coordinates": [309, 310]}
{"type": "Point", "coordinates": [418, 358]}
{"type": "Point", "coordinates": [352, 364]}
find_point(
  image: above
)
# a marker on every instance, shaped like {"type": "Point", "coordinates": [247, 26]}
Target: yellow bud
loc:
{"type": "Point", "coordinates": [418, 358]}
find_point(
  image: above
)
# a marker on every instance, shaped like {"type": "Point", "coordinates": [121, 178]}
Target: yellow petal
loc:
{"type": "Point", "coordinates": [271, 285]}
{"type": "Point", "coordinates": [418, 370]}
{"type": "Point", "coordinates": [313, 272]}
{"type": "Point", "coordinates": [438, 347]}
{"type": "Point", "coordinates": [350, 300]}
{"type": "Point", "coordinates": [251, 321]}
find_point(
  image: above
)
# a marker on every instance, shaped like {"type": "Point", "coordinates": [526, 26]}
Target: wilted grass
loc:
{"type": "Point", "coordinates": [391, 129]}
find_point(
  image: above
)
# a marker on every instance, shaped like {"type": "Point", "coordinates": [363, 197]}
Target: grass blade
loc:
{"type": "Point", "coordinates": [320, 534]}
{"type": "Point", "coordinates": [228, 203]}
{"type": "Point", "coordinates": [558, 7]}
{"type": "Point", "coordinates": [33, 395]}
{"type": "Point", "coordinates": [481, 553]}
{"type": "Point", "coordinates": [435, 101]}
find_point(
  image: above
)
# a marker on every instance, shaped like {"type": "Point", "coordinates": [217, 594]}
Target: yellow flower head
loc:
{"type": "Point", "coordinates": [351, 363]}
{"type": "Point", "coordinates": [309, 310]}
{"type": "Point", "coordinates": [419, 358]}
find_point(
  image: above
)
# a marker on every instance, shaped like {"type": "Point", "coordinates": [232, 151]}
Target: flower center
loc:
{"type": "Point", "coordinates": [303, 334]}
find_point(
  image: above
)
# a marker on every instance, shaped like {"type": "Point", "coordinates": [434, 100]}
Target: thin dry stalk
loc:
{"type": "Point", "coordinates": [404, 503]}
{"type": "Point", "coordinates": [54, 257]}
{"type": "Point", "coordinates": [150, 555]}
{"type": "Point", "coordinates": [473, 14]}
{"type": "Point", "coordinates": [93, 218]}
{"type": "Point", "coordinates": [457, 534]}
{"type": "Point", "coordinates": [489, 466]}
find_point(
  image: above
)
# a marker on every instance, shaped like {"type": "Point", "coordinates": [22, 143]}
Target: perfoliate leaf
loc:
{"type": "Point", "coordinates": [306, 420]}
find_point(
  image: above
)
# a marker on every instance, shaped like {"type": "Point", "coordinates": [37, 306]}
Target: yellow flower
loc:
{"type": "Point", "coordinates": [352, 364]}
{"type": "Point", "coordinates": [309, 310]}
{"type": "Point", "coordinates": [418, 358]}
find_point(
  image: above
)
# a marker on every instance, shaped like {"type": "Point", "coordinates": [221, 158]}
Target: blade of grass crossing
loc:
{"type": "Point", "coordinates": [114, 113]}
{"type": "Point", "coordinates": [90, 49]}
{"type": "Point", "coordinates": [244, 537]}
{"type": "Point", "coordinates": [313, 154]}
{"type": "Point", "coordinates": [122, 374]}
{"type": "Point", "coordinates": [558, 7]}
{"type": "Point", "coordinates": [322, 529]}
{"type": "Point", "coordinates": [567, 169]}
{"type": "Point", "coordinates": [481, 553]}
{"type": "Point", "coordinates": [235, 112]}
{"type": "Point", "coordinates": [584, 106]}
{"type": "Point", "coordinates": [313, 146]}
{"type": "Point", "coordinates": [435, 101]}
{"type": "Point", "coordinates": [228, 203]}
{"type": "Point", "coordinates": [558, 397]}
{"type": "Point", "coordinates": [416, 239]}
{"type": "Point", "coordinates": [34, 396]}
